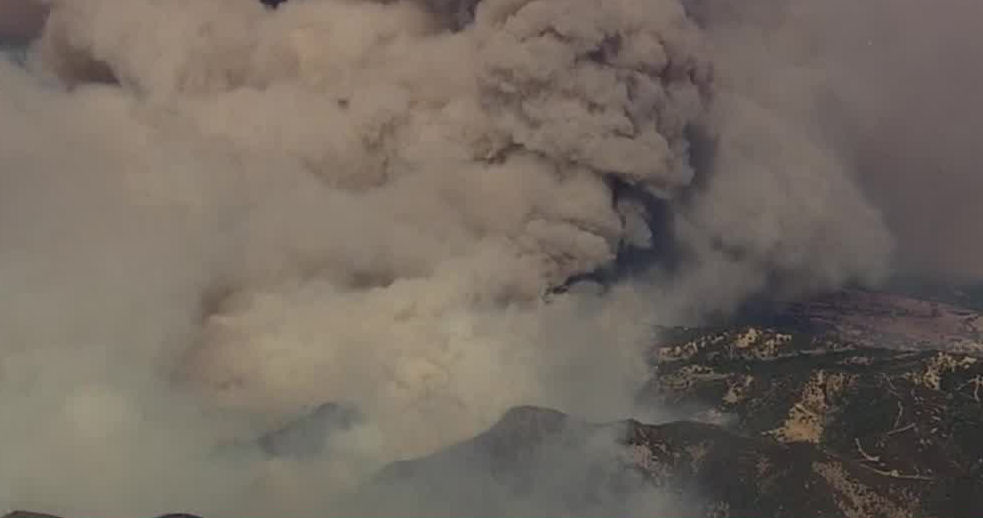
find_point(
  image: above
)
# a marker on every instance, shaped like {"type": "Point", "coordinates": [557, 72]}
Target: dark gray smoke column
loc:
{"type": "Point", "coordinates": [896, 87]}
{"type": "Point", "coordinates": [20, 20]}
{"type": "Point", "coordinates": [913, 80]}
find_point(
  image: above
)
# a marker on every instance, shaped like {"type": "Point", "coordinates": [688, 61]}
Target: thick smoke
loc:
{"type": "Point", "coordinates": [19, 21]}
{"type": "Point", "coordinates": [914, 90]}
{"type": "Point", "coordinates": [895, 86]}
{"type": "Point", "coordinates": [215, 215]}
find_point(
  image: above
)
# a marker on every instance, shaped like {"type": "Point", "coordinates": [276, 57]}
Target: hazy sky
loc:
{"type": "Point", "coordinates": [19, 19]}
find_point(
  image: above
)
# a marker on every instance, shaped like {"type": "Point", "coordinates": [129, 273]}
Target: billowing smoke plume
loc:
{"type": "Point", "coordinates": [214, 215]}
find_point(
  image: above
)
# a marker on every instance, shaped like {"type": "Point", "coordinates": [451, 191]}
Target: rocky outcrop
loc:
{"type": "Point", "coordinates": [729, 474]}
{"type": "Point", "coordinates": [856, 405]}
{"type": "Point", "coordinates": [889, 384]}
{"type": "Point", "coordinates": [734, 475]}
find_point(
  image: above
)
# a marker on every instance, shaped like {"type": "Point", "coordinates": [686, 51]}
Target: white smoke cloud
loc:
{"type": "Point", "coordinates": [233, 213]}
